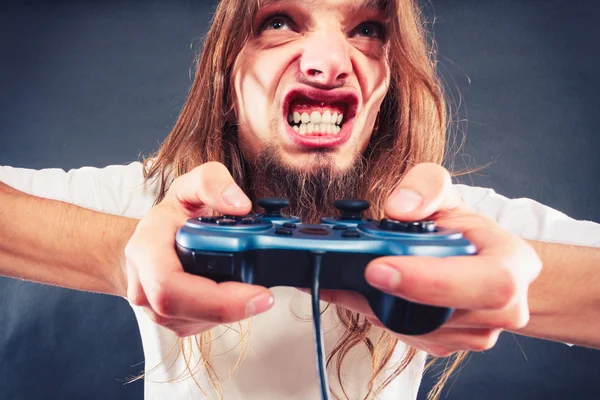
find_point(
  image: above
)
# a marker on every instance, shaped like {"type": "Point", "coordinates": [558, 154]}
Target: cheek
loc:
{"type": "Point", "coordinates": [376, 84]}
{"type": "Point", "coordinates": [256, 80]}
{"type": "Point", "coordinates": [374, 80]}
{"type": "Point", "coordinates": [372, 71]}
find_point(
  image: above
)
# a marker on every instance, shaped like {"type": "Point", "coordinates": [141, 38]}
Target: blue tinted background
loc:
{"type": "Point", "coordinates": [99, 82]}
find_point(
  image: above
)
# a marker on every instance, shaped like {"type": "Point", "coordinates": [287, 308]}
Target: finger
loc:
{"type": "Point", "coordinates": [514, 318]}
{"type": "Point", "coordinates": [493, 279]}
{"type": "Point", "coordinates": [172, 292]}
{"type": "Point", "coordinates": [135, 291]}
{"type": "Point", "coordinates": [425, 189]}
{"type": "Point", "coordinates": [475, 339]}
{"type": "Point", "coordinates": [209, 185]}
{"type": "Point", "coordinates": [433, 349]}
{"type": "Point", "coordinates": [349, 300]}
{"type": "Point", "coordinates": [197, 298]}
{"type": "Point", "coordinates": [180, 327]}
{"type": "Point", "coordinates": [171, 322]}
{"type": "Point", "coordinates": [458, 282]}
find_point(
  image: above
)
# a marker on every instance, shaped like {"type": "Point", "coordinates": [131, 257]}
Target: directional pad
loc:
{"type": "Point", "coordinates": [408, 227]}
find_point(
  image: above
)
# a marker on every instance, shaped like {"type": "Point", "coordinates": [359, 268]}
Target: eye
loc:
{"type": "Point", "coordinates": [277, 22]}
{"type": "Point", "coordinates": [369, 29]}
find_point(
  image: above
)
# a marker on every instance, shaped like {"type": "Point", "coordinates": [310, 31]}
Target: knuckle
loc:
{"type": "Point", "coordinates": [520, 320]}
{"type": "Point", "coordinates": [161, 301]}
{"type": "Point", "coordinates": [223, 314]}
{"type": "Point", "coordinates": [440, 352]}
{"type": "Point", "coordinates": [180, 332]}
{"type": "Point", "coordinates": [159, 319]}
{"type": "Point", "coordinates": [507, 289]}
{"type": "Point", "coordinates": [136, 296]}
{"type": "Point", "coordinates": [211, 169]}
{"type": "Point", "coordinates": [484, 340]}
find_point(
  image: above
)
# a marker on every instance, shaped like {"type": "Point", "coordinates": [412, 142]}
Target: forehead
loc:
{"type": "Point", "coordinates": [351, 5]}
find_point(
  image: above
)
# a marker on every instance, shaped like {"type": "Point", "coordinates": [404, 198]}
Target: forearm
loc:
{"type": "Point", "coordinates": [564, 301]}
{"type": "Point", "coordinates": [61, 244]}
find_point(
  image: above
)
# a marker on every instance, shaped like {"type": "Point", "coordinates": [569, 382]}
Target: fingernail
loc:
{"type": "Point", "coordinates": [259, 304]}
{"type": "Point", "coordinates": [383, 277]}
{"type": "Point", "coordinates": [234, 196]}
{"type": "Point", "coordinates": [406, 200]}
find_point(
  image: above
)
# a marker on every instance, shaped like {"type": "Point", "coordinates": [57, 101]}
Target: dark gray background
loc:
{"type": "Point", "coordinates": [97, 83]}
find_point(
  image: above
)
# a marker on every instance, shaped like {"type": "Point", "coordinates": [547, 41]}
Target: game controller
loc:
{"type": "Point", "coordinates": [273, 249]}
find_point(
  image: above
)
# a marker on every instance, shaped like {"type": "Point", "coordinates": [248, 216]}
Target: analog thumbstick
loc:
{"type": "Point", "coordinates": [351, 209]}
{"type": "Point", "coordinates": [273, 206]}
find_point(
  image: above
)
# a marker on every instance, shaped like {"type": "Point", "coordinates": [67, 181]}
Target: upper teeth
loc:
{"type": "Point", "coordinates": [316, 117]}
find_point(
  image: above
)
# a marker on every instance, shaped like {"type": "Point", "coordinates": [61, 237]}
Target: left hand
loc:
{"type": "Point", "coordinates": [488, 290]}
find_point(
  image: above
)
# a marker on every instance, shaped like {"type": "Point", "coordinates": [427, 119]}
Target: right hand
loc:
{"type": "Point", "coordinates": [184, 303]}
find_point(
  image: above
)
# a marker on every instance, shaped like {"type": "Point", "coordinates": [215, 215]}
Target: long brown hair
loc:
{"type": "Point", "coordinates": [412, 129]}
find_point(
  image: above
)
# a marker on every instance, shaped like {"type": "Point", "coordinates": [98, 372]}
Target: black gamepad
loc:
{"type": "Point", "coordinates": [273, 249]}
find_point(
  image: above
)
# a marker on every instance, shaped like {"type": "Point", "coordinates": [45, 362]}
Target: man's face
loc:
{"type": "Point", "coordinates": [310, 81]}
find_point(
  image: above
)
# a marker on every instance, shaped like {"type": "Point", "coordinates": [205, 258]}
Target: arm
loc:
{"type": "Point", "coordinates": [57, 243]}
{"type": "Point", "coordinates": [564, 301]}
{"type": "Point", "coordinates": [533, 288]}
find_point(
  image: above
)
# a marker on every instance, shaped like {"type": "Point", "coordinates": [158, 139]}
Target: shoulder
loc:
{"type": "Point", "coordinates": [529, 218]}
{"type": "Point", "coordinates": [116, 189]}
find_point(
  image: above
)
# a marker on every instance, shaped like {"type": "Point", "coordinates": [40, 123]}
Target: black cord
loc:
{"type": "Point", "coordinates": [316, 311]}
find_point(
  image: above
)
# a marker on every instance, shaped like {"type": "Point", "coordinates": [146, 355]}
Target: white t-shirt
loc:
{"type": "Point", "coordinates": [280, 359]}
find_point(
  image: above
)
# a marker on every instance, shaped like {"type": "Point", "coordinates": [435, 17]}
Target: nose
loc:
{"type": "Point", "coordinates": [325, 60]}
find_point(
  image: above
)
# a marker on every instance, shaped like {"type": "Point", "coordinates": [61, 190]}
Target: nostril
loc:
{"type": "Point", "coordinates": [314, 72]}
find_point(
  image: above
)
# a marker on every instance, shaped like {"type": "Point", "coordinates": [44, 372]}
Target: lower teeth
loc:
{"type": "Point", "coordinates": [316, 128]}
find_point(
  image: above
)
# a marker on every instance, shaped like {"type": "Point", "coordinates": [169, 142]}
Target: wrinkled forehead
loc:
{"type": "Point", "coordinates": [351, 5]}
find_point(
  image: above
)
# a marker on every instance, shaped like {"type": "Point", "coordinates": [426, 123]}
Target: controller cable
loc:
{"type": "Point", "coordinates": [316, 312]}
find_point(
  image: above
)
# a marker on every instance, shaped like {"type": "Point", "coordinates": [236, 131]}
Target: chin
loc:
{"type": "Point", "coordinates": [315, 159]}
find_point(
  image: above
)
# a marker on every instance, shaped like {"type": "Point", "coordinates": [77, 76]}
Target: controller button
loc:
{"type": "Point", "coordinates": [314, 231]}
{"type": "Point", "coordinates": [393, 225]}
{"type": "Point", "coordinates": [340, 227]}
{"type": "Point", "coordinates": [251, 220]}
{"type": "Point", "coordinates": [210, 220]}
{"type": "Point", "coordinates": [226, 222]}
{"type": "Point", "coordinates": [289, 225]}
{"type": "Point", "coordinates": [412, 227]}
{"type": "Point", "coordinates": [428, 226]}
{"type": "Point", "coordinates": [283, 232]}
{"type": "Point", "coordinates": [421, 227]}
{"type": "Point", "coordinates": [350, 234]}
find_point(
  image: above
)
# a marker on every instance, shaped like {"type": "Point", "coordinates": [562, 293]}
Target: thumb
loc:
{"type": "Point", "coordinates": [209, 185]}
{"type": "Point", "coordinates": [424, 190]}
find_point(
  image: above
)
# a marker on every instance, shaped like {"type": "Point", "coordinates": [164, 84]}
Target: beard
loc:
{"type": "Point", "coordinates": [311, 191]}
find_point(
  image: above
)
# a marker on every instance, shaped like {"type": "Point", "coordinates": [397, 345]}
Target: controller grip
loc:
{"type": "Point", "coordinates": [398, 315]}
{"type": "Point", "coordinates": [405, 317]}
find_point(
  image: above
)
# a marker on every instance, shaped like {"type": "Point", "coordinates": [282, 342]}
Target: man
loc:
{"type": "Point", "coordinates": [314, 101]}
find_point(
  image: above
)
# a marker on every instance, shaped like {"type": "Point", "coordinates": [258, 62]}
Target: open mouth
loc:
{"type": "Point", "coordinates": [319, 118]}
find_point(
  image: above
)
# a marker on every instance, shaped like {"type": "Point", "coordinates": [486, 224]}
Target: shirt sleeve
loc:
{"type": "Point", "coordinates": [529, 219]}
{"type": "Point", "coordinates": [116, 189]}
